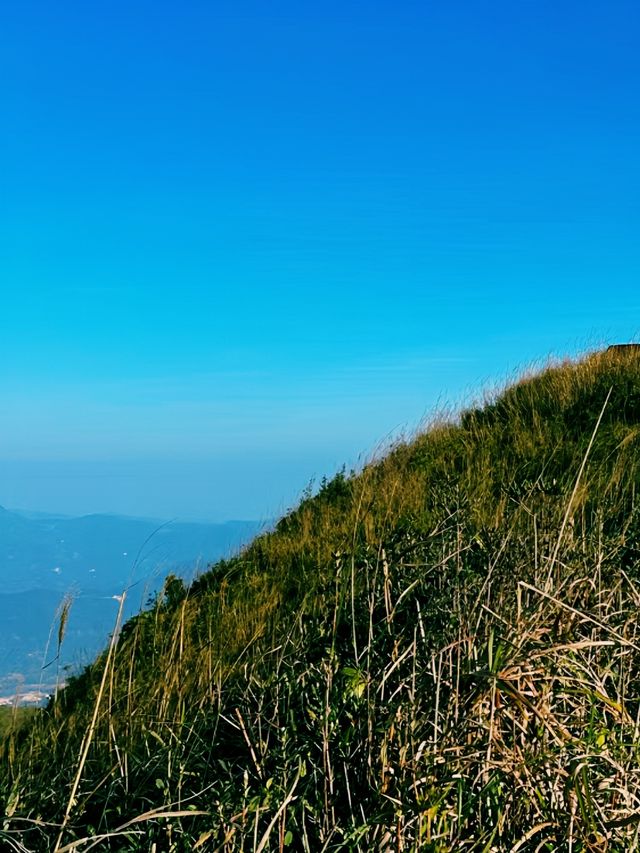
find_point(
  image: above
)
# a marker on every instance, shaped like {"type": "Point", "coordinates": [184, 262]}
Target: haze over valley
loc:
{"type": "Point", "coordinates": [91, 559]}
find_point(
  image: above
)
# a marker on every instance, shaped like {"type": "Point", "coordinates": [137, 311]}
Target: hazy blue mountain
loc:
{"type": "Point", "coordinates": [92, 558]}
{"type": "Point", "coordinates": [28, 624]}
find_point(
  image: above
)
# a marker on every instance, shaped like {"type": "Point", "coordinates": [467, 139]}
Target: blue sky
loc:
{"type": "Point", "coordinates": [242, 243]}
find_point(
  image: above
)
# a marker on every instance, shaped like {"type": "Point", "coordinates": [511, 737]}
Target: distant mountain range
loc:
{"type": "Point", "coordinates": [92, 558]}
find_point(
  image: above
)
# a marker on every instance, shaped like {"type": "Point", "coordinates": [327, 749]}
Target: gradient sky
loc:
{"type": "Point", "coordinates": [244, 242]}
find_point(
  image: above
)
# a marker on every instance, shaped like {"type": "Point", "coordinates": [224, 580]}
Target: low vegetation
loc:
{"type": "Point", "coordinates": [13, 717]}
{"type": "Point", "coordinates": [440, 652]}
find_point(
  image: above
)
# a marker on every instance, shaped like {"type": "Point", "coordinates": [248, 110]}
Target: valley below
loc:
{"type": "Point", "coordinates": [85, 564]}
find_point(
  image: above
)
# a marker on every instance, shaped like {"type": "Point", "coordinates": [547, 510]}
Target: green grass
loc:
{"type": "Point", "coordinates": [12, 718]}
{"type": "Point", "coordinates": [439, 652]}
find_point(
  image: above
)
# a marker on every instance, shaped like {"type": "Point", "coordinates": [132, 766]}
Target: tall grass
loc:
{"type": "Point", "coordinates": [437, 653]}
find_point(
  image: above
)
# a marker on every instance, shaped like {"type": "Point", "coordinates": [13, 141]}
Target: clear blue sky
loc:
{"type": "Point", "coordinates": [242, 242]}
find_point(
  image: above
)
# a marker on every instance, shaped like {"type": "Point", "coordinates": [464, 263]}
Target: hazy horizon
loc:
{"type": "Point", "coordinates": [258, 485]}
{"type": "Point", "coordinates": [242, 246]}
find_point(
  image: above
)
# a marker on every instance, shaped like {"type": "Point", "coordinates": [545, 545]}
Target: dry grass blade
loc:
{"type": "Point", "coordinates": [575, 489]}
{"type": "Point", "coordinates": [585, 616]}
{"type": "Point", "coordinates": [289, 797]}
{"type": "Point", "coordinates": [86, 743]}
{"type": "Point", "coordinates": [152, 814]}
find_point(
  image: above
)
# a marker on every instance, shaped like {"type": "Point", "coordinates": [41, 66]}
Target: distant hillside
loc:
{"type": "Point", "coordinates": [98, 552]}
{"type": "Point", "coordinates": [92, 558]}
{"type": "Point", "coordinates": [440, 652]}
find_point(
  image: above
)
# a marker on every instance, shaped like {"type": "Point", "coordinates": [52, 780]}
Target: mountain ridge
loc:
{"type": "Point", "coordinates": [88, 560]}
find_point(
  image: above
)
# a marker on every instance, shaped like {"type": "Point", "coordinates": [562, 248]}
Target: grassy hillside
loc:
{"type": "Point", "coordinates": [438, 653]}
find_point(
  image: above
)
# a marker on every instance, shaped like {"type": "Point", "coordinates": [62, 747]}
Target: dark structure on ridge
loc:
{"type": "Point", "coordinates": [624, 348]}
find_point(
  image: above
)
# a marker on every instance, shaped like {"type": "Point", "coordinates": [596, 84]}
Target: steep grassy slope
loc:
{"type": "Point", "coordinates": [440, 653]}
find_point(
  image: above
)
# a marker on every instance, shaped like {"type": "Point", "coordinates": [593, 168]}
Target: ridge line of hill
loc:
{"type": "Point", "coordinates": [439, 653]}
